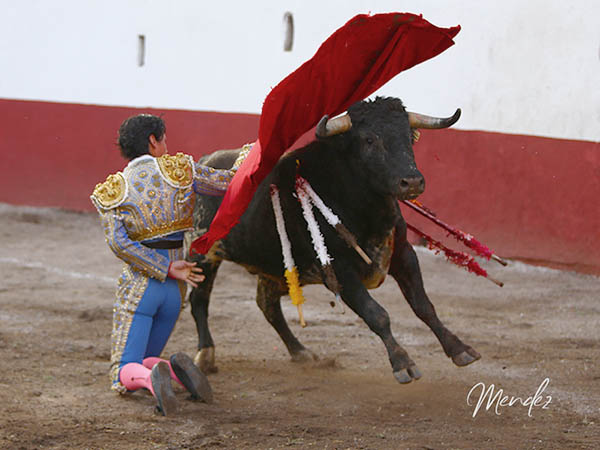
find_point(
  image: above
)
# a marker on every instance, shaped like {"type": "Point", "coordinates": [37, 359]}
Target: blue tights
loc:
{"type": "Point", "coordinates": [153, 321]}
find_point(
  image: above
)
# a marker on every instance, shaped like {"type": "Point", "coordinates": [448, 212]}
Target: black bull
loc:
{"type": "Point", "coordinates": [360, 174]}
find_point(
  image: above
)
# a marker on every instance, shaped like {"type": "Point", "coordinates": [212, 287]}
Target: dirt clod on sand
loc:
{"type": "Point", "coordinates": [56, 294]}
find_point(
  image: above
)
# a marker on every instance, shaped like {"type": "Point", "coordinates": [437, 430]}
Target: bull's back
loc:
{"type": "Point", "coordinates": [221, 159]}
{"type": "Point", "coordinates": [255, 243]}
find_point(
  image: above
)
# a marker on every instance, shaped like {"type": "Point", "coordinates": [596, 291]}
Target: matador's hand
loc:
{"type": "Point", "coordinates": [186, 271]}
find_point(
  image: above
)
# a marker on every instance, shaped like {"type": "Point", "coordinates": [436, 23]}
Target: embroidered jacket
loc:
{"type": "Point", "coordinates": [154, 198]}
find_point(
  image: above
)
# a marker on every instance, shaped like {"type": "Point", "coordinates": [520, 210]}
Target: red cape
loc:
{"type": "Point", "coordinates": [350, 65]}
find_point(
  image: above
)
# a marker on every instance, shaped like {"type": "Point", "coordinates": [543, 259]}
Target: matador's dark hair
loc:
{"type": "Point", "coordinates": [135, 132]}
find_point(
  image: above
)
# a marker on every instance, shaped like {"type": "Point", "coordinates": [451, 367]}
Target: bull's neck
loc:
{"type": "Point", "coordinates": [347, 191]}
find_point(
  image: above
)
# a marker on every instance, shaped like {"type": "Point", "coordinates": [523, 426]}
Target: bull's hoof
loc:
{"type": "Point", "coordinates": [465, 358]}
{"type": "Point", "coordinates": [402, 376]}
{"type": "Point", "coordinates": [304, 356]}
{"type": "Point", "coordinates": [414, 372]}
{"type": "Point", "coordinates": [205, 360]}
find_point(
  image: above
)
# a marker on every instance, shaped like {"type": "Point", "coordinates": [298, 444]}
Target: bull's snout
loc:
{"type": "Point", "coordinates": [412, 187]}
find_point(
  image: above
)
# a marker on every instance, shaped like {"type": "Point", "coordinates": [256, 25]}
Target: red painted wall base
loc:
{"type": "Point", "coordinates": [53, 154]}
{"type": "Point", "coordinates": [526, 197]}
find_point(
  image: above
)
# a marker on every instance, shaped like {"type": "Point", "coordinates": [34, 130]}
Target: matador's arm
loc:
{"type": "Point", "coordinates": [148, 261]}
{"type": "Point", "coordinates": [211, 181]}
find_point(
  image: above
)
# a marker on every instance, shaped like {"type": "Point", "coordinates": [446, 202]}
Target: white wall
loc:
{"type": "Point", "coordinates": [526, 67]}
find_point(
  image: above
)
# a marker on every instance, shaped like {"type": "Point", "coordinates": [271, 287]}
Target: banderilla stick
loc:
{"type": "Point", "coordinates": [351, 241]}
{"type": "Point", "coordinates": [458, 258]}
{"type": "Point", "coordinates": [465, 238]}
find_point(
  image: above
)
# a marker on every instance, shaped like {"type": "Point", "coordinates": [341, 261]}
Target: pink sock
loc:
{"type": "Point", "coordinates": [135, 376]}
{"type": "Point", "coordinates": [150, 361]}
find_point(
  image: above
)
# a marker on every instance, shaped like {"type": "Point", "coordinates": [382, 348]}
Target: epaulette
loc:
{"type": "Point", "coordinates": [242, 156]}
{"type": "Point", "coordinates": [111, 193]}
{"type": "Point", "coordinates": [177, 170]}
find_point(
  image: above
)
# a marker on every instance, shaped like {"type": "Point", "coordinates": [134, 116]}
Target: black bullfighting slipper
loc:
{"type": "Point", "coordinates": [191, 377]}
{"type": "Point", "coordinates": [163, 391]}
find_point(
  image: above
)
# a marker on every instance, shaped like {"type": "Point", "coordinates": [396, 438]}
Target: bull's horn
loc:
{"type": "Point", "coordinates": [326, 127]}
{"type": "Point", "coordinates": [421, 121]}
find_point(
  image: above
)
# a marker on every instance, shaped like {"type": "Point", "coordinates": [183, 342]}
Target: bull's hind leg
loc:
{"type": "Point", "coordinates": [199, 301]}
{"type": "Point", "coordinates": [356, 296]}
{"type": "Point", "coordinates": [405, 269]}
{"type": "Point", "coordinates": [268, 295]}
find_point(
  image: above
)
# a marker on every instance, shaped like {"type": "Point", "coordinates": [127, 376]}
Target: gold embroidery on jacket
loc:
{"type": "Point", "coordinates": [177, 169]}
{"type": "Point", "coordinates": [111, 192]}
{"type": "Point", "coordinates": [149, 201]}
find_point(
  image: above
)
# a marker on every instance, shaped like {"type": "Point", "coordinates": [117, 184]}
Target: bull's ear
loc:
{"type": "Point", "coordinates": [416, 134]}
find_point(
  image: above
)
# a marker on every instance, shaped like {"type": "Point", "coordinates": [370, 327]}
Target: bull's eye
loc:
{"type": "Point", "coordinates": [369, 140]}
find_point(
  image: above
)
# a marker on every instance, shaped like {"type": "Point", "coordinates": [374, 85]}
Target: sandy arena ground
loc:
{"type": "Point", "coordinates": [56, 294]}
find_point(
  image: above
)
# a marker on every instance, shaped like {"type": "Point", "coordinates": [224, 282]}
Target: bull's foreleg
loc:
{"type": "Point", "coordinates": [199, 301]}
{"type": "Point", "coordinates": [405, 269]}
{"type": "Point", "coordinates": [356, 296]}
{"type": "Point", "coordinates": [268, 295]}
